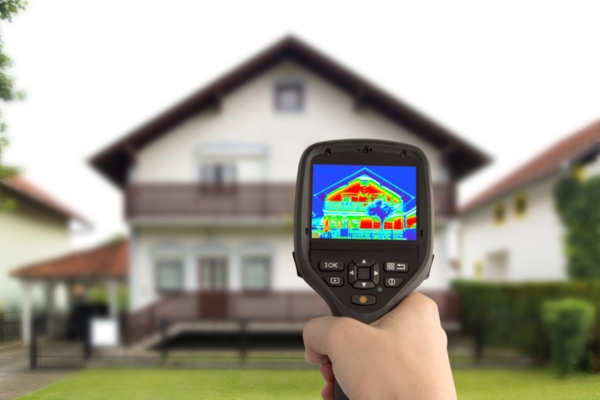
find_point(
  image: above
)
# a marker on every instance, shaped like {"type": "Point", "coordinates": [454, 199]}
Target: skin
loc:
{"type": "Point", "coordinates": [400, 356]}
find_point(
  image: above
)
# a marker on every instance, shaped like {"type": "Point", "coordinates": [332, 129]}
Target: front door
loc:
{"type": "Point", "coordinates": [213, 287]}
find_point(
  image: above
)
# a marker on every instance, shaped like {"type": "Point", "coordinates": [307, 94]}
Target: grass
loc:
{"type": "Point", "coordinates": [155, 384]}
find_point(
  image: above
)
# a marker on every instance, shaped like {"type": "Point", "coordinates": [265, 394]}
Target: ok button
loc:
{"type": "Point", "coordinates": [331, 265]}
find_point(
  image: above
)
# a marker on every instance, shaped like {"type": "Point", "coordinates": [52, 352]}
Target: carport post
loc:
{"type": "Point", "coordinates": [26, 316]}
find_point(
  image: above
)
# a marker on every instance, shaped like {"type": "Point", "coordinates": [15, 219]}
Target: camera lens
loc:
{"type": "Point", "coordinates": [327, 151]}
{"type": "Point", "coordinates": [403, 153]}
{"type": "Point", "coordinates": [365, 149]}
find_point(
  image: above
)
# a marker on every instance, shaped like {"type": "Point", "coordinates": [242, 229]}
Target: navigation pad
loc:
{"type": "Point", "coordinates": [363, 282]}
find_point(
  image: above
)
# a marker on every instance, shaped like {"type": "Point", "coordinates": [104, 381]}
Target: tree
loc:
{"type": "Point", "coordinates": [576, 203]}
{"type": "Point", "coordinates": [382, 209]}
{"type": "Point", "coordinates": [8, 9]}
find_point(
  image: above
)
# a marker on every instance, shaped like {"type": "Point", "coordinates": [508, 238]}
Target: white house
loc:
{"type": "Point", "coordinates": [209, 183]}
{"type": "Point", "coordinates": [37, 228]}
{"type": "Point", "coordinates": [511, 231]}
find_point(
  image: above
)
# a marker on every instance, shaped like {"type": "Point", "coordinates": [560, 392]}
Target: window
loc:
{"type": "Point", "coordinates": [257, 274]}
{"type": "Point", "coordinates": [169, 275]}
{"type": "Point", "coordinates": [521, 205]}
{"type": "Point", "coordinates": [499, 213]}
{"type": "Point", "coordinates": [219, 175]}
{"type": "Point", "coordinates": [497, 266]}
{"type": "Point", "coordinates": [478, 270]}
{"type": "Point", "coordinates": [289, 97]}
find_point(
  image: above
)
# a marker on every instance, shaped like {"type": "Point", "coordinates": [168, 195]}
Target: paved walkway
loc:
{"type": "Point", "coordinates": [16, 379]}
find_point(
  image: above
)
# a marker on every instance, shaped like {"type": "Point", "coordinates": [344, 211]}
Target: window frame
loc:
{"type": "Point", "coordinates": [269, 269]}
{"type": "Point", "coordinates": [157, 261]}
{"type": "Point", "coordinates": [278, 104]}
{"type": "Point", "coordinates": [218, 185]}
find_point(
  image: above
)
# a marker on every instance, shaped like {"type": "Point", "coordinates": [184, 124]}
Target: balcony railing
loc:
{"type": "Point", "coordinates": [197, 201]}
{"type": "Point", "coordinates": [275, 200]}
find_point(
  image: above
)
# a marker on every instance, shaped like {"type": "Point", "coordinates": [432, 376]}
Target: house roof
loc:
{"type": "Point", "coordinates": [547, 162]}
{"type": "Point", "coordinates": [22, 186]}
{"type": "Point", "coordinates": [462, 156]}
{"type": "Point", "coordinates": [107, 261]}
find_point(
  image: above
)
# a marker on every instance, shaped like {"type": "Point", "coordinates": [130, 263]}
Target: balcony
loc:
{"type": "Point", "coordinates": [188, 202]}
{"type": "Point", "coordinates": [194, 201]}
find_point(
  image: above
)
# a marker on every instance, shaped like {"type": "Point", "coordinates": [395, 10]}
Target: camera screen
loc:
{"type": "Point", "coordinates": [364, 202]}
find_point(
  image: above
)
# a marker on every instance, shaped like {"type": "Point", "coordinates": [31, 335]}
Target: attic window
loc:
{"type": "Point", "coordinates": [521, 205]}
{"type": "Point", "coordinates": [499, 213]}
{"type": "Point", "coordinates": [289, 97]}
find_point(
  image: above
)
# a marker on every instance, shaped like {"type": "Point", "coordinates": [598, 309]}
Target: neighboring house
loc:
{"type": "Point", "coordinates": [209, 184]}
{"type": "Point", "coordinates": [37, 228]}
{"type": "Point", "coordinates": [511, 230]}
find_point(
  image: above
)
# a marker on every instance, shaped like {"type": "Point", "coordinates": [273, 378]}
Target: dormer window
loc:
{"type": "Point", "coordinates": [289, 97]}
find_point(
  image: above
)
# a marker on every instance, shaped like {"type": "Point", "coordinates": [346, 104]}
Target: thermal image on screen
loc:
{"type": "Point", "coordinates": [364, 202]}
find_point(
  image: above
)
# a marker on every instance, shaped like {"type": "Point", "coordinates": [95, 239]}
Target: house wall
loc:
{"type": "Point", "coordinates": [191, 244]}
{"type": "Point", "coordinates": [248, 120]}
{"type": "Point", "coordinates": [530, 246]}
{"type": "Point", "coordinates": [28, 234]}
{"type": "Point", "coordinates": [231, 243]}
{"type": "Point", "coordinates": [266, 146]}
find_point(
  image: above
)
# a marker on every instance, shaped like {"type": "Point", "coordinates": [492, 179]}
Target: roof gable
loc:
{"type": "Point", "coordinates": [463, 158]}
{"type": "Point", "coordinates": [572, 148]}
{"type": "Point", "coordinates": [376, 184]}
{"type": "Point", "coordinates": [27, 189]}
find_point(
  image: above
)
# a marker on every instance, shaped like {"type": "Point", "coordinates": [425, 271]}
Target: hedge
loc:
{"type": "Point", "coordinates": [510, 314]}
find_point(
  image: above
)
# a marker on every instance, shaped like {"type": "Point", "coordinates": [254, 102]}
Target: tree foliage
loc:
{"type": "Point", "coordinates": [578, 205]}
{"type": "Point", "coordinates": [8, 9]}
{"type": "Point", "coordinates": [381, 209]}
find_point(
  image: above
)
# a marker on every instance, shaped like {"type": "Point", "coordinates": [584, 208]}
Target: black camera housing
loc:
{"type": "Point", "coordinates": [414, 256]}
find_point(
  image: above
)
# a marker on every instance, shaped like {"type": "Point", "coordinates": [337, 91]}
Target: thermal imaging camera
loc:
{"type": "Point", "coordinates": [363, 224]}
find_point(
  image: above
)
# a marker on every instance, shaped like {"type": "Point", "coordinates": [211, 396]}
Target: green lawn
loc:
{"type": "Point", "coordinates": [285, 384]}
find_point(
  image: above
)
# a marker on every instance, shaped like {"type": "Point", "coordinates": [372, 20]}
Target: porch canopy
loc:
{"type": "Point", "coordinates": [104, 265]}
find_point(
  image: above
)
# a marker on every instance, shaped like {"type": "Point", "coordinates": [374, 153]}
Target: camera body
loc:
{"type": "Point", "coordinates": [363, 224]}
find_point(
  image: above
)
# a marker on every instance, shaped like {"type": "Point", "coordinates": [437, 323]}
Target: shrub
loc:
{"type": "Point", "coordinates": [569, 323]}
{"type": "Point", "coordinates": [511, 317]}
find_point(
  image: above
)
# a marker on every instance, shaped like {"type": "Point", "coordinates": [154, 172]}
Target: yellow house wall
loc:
{"type": "Point", "coordinates": [28, 233]}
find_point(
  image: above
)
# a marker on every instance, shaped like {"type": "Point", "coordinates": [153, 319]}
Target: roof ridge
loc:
{"type": "Point", "coordinates": [536, 167]}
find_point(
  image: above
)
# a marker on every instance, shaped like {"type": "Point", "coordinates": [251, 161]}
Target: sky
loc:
{"type": "Point", "coordinates": [511, 77]}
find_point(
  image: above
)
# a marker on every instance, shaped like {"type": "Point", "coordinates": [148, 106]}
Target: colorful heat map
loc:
{"type": "Point", "coordinates": [364, 202]}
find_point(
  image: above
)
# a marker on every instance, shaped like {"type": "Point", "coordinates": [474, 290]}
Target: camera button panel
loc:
{"type": "Point", "coordinates": [351, 275]}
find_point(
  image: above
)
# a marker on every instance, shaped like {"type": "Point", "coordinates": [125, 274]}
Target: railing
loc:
{"type": "Point", "coordinates": [10, 326]}
{"type": "Point", "coordinates": [242, 200]}
{"type": "Point", "coordinates": [195, 200]}
{"type": "Point", "coordinates": [268, 307]}
{"type": "Point", "coordinates": [187, 307]}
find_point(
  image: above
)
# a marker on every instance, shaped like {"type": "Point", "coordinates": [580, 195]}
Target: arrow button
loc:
{"type": "Point", "coordinates": [362, 262]}
{"type": "Point", "coordinates": [364, 285]}
{"type": "Point", "coordinates": [352, 272]}
{"type": "Point", "coordinates": [376, 276]}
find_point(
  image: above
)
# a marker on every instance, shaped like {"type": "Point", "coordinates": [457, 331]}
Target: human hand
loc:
{"type": "Point", "coordinates": [402, 355]}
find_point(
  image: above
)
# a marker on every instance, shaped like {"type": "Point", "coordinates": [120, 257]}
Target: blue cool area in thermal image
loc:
{"type": "Point", "coordinates": [364, 202]}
